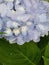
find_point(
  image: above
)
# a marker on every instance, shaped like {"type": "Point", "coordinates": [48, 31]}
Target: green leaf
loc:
{"type": "Point", "coordinates": [48, 0]}
{"type": "Point", "coordinates": [46, 61]}
{"type": "Point", "coordinates": [2, 33]}
{"type": "Point", "coordinates": [27, 54]}
{"type": "Point", "coordinates": [46, 55]}
{"type": "Point", "coordinates": [43, 42]}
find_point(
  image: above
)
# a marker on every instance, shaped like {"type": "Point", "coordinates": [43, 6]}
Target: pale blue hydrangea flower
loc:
{"type": "Point", "coordinates": [24, 20]}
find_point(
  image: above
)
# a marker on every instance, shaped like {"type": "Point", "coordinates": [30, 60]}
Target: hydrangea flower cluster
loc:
{"type": "Point", "coordinates": [24, 20]}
